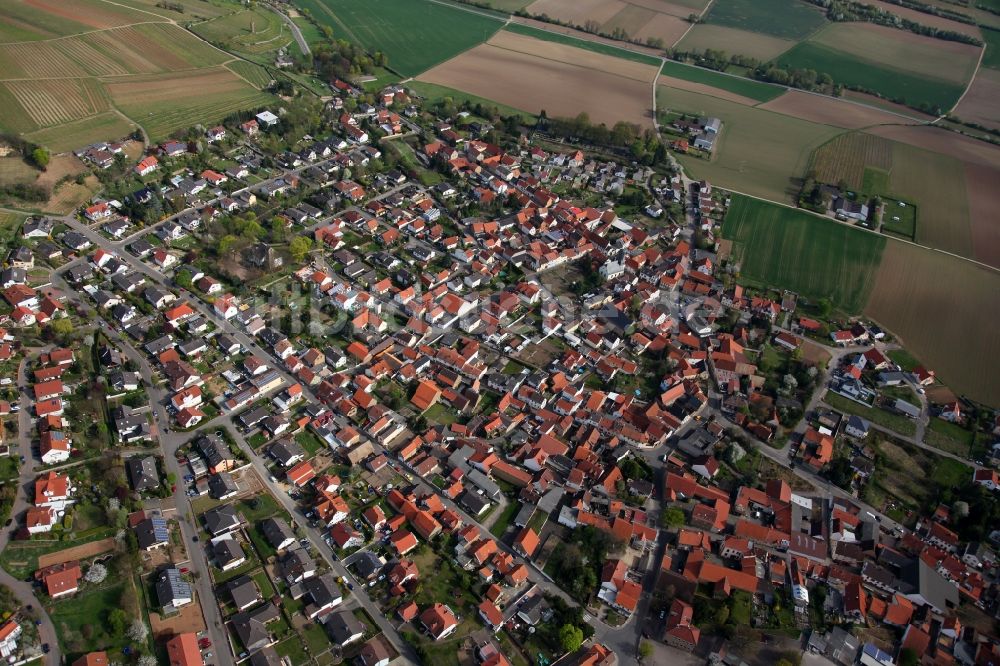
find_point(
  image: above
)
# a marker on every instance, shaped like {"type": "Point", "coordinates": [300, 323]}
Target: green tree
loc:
{"type": "Point", "coordinates": [299, 248]}
{"type": "Point", "coordinates": [117, 619]}
{"type": "Point", "coordinates": [570, 638]}
{"type": "Point", "coordinates": [40, 157]}
{"type": "Point", "coordinates": [673, 517]}
{"type": "Point", "coordinates": [62, 327]}
{"type": "Point", "coordinates": [907, 657]}
{"type": "Point", "coordinates": [226, 244]}
{"type": "Point", "coordinates": [824, 306]}
{"type": "Point", "coordinates": [645, 650]}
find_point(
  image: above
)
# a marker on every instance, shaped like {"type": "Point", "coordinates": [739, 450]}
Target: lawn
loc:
{"type": "Point", "coordinates": [87, 613]}
{"type": "Point", "coordinates": [949, 437]}
{"type": "Point", "coordinates": [258, 507]}
{"type": "Point", "coordinates": [880, 417]}
{"type": "Point", "coordinates": [505, 519]}
{"type": "Point", "coordinates": [415, 35]}
{"type": "Point", "coordinates": [310, 442]}
{"type": "Point", "coordinates": [20, 558]}
{"type": "Point", "coordinates": [904, 359]}
{"type": "Point", "coordinates": [790, 249]}
{"type": "Point", "coordinates": [759, 152]}
{"type": "Point", "coordinates": [991, 58]}
{"type": "Point", "coordinates": [899, 218]}
{"type": "Point", "coordinates": [797, 19]}
{"type": "Point", "coordinates": [858, 72]}
{"type": "Point", "coordinates": [441, 414]}
{"type": "Point", "coordinates": [762, 92]}
{"type": "Point", "coordinates": [596, 47]}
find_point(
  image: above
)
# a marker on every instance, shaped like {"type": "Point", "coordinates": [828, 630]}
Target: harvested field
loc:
{"type": "Point", "coordinates": [70, 196]}
{"type": "Point", "coordinates": [61, 166]}
{"type": "Point", "coordinates": [742, 87]}
{"type": "Point", "coordinates": [813, 256]}
{"type": "Point", "coordinates": [901, 50]}
{"type": "Point", "coordinates": [981, 187]}
{"type": "Point", "coordinates": [168, 102]}
{"type": "Point", "coordinates": [36, 60]}
{"type": "Point", "coordinates": [570, 37]}
{"type": "Point", "coordinates": [704, 89]}
{"type": "Point", "coordinates": [829, 111]}
{"type": "Point", "coordinates": [942, 141]}
{"type": "Point", "coordinates": [924, 18]}
{"type": "Point", "coordinates": [936, 183]}
{"type": "Point", "coordinates": [879, 103]}
{"type": "Point", "coordinates": [578, 12]}
{"type": "Point", "coordinates": [535, 75]}
{"type": "Point", "coordinates": [847, 156]}
{"type": "Point", "coordinates": [763, 47]}
{"type": "Point", "coordinates": [14, 170]}
{"type": "Point", "coordinates": [69, 136]}
{"type": "Point", "coordinates": [666, 27]}
{"type": "Point", "coordinates": [814, 354]}
{"type": "Point", "coordinates": [797, 19]}
{"type": "Point", "coordinates": [912, 286]}
{"type": "Point", "coordinates": [77, 552]}
{"type": "Point", "coordinates": [980, 104]}
{"type": "Point", "coordinates": [53, 101]}
{"type": "Point", "coordinates": [759, 152]}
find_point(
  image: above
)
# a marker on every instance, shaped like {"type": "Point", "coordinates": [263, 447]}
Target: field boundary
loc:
{"type": "Point", "coordinates": [975, 73]}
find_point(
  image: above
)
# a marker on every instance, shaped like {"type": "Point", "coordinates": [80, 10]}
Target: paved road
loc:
{"type": "Point", "coordinates": [23, 591]}
{"type": "Point", "coordinates": [303, 44]}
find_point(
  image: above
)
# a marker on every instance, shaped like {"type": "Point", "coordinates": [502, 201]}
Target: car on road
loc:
{"type": "Point", "coordinates": [45, 648]}
{"type": "Point", "coordinates": [184, 570]}
{"type": "Point", "coordinates": [194, 538]}
{"type": "Point", "coordinates": [350, 586]}
{"type": "Point", "coordinates": [205, 643]}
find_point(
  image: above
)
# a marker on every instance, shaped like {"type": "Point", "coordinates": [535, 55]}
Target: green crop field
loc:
{"type": "Point", "coordinates": [254, 32]}
{"type": "Point", "coordinates": [788, 19]}
{"type": "Point", "coordinates": [899, 218]}
{"type": "Point", "coordinates": [893, 84]}
{"type": "Point", "coordinates": [813, 256]}
{"type": "Point", "coordinates": [415, 35]}
{"type": "Point", "coordinates": [762, 92]}
{"type": "Point", "coordinates": [759, 152]}
{"type": "Point", "coordinates": [991, 58]}
{"type": "Point", "coordinates": [70, 136]}
{"type": "Point", "coordinates": [596, 47]}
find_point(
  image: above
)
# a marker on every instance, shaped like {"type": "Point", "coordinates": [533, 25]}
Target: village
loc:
{"type": "Point", "coordinates": [418, 389]}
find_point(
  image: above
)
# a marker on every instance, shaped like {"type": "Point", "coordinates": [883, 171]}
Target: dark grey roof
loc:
{"type": "Point", "coordinates": [151, 532]}
{"type": "Point", "coordinates": [251, 626]}
{"type": "Point", "coordinates": [276, 531]}
{"type": "Point", "coordinates": [221, 519]}
{"type": "Point", "coordinates": [142, 473]}
{"type": "Point", "coordinates": [171, 587]}
{"type": "Point", "coordinates": [265, 657]}
{"type": "Point", "coordinates": [222, 485]}
{"type": "Point", "coordinates": [244, 591]}
{"type": "Point", "coordinates": [368, 564]}
{"type": "Point", "coordinates": [343, 626]}
{"type": "Point", "coordinates": [226, 551]}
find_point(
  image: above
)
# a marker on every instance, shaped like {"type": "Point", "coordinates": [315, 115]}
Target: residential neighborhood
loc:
{"type": "Point", "coordinates": [414, 389]}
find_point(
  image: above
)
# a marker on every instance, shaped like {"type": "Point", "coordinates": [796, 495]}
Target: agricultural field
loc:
{"type": "Point", "coordinates": [190, 10]}
{"type": "Point", "coordinates": [754, 90]}
{"type": "Point", "coordinates": [813, 256]}
{"type": "Point", "coordinates": [643, 20]}
{"type": "Point", "coordinates": [58, 88]}
{"type": "Point", "coordinates": [981, 190]}
{"type": "Point", "coordinates": [923, 18]}
{"type": "Point", "coordinates": [899, 65]}
{"type": "Point", "coordinates": [913, 287]}
{"type": "Point", "coordinates": [899, 218]}
{"type": "Point", "coordinates": [29, 20]}
{"type": "Point", "coordinates": [830, 111]}
{"type": "Point", "coordinates": [431, 91]}
{"type": "Point", "coordinates": [536, 75]}
{"type": "Point", "coordinates": [756, 45]}
{"type": "Point", "coordinates": [979, 105]}
{"type": "Point", "coordinates": [166, 103]}
{"type": "Point", "coordinates": [991, 58]}
{"type": "Point", "coordinates": [255, 75]}
{"type": "Point", "coordinates": [931, 180]}
{"type": "Point", "coordinates": [759, 152]}
{"type": "Point", "coordinates": [415, 35]}
{"type": "Point", "coordinates": [798, 20]}
{"type": "Point", "coordinates": [597, 47]}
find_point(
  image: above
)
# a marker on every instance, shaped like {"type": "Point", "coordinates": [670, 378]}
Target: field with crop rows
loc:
{"type": "Point", "coordinates": [166, 103]}
{"type": "Point", "coordinates": [255, 75]}
{"type": "Point", "coordinates": [414, 34]}
{"type": "Point", "coordinates": [815, 257]}
{"type": "Point", "coordinates": [846, 157]}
